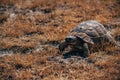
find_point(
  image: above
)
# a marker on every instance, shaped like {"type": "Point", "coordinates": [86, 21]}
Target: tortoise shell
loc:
{"type": "Point", "coordinates": [88, 30]}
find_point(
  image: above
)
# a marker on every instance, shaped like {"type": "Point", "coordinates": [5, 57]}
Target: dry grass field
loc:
{"type": "Point", "coordinates": [31, 30]}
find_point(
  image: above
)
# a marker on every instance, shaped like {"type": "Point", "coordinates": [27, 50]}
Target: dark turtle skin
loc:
{"type": "Point", "coordinates": [87, 33]}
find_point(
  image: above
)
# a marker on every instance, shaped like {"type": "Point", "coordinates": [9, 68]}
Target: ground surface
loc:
{"type": "Point", "coordinates": [31, 30]}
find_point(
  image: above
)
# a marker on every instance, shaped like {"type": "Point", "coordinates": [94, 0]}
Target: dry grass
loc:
{"type": "Point", "coordinates": [45, 27]}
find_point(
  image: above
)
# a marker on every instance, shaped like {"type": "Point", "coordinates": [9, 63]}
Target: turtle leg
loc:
{"type": "Point", "coordinates": [86, 50]}
{"type": "Point", "coordinates": [112, 41]}
{"type": "Point", "coordinates": [62, 46]}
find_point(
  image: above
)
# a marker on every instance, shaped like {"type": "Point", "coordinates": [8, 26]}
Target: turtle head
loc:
{"type": "Point", "coordinates": [70, 39]}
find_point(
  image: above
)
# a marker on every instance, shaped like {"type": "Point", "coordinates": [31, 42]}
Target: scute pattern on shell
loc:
{"type": "Point", "coordinates": [85, 37]}
{"type": "Point", "coordinates": [92, 28]}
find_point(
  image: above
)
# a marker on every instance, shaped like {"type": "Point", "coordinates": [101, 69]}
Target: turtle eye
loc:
{"type": "Point", "coordinates": [68, 39]}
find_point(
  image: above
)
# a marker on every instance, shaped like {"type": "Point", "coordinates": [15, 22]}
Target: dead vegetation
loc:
{"type": "Point", "coordinates": [36, 27]}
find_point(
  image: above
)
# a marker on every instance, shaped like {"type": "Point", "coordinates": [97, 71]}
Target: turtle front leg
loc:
{"type": "Point", "coordinates": [86, 50]}
{"type": "Point", "coordinates": [62, 46]}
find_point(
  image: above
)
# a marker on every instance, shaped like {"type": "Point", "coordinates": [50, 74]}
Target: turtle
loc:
{"type": "Point", "coordinates": [85, 35]}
